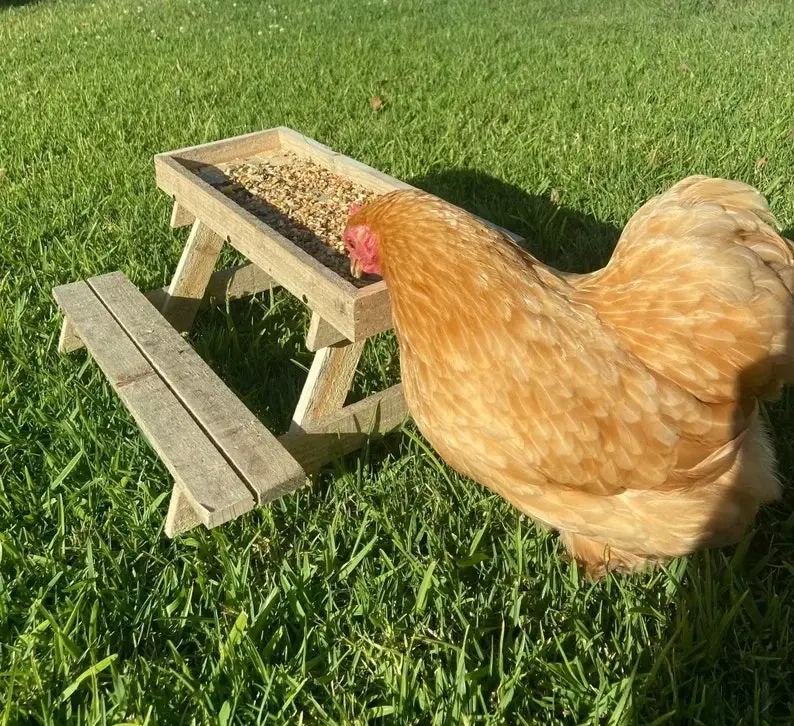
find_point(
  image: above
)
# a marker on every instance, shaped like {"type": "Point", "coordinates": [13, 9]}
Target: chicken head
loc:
{"type": "Point", "coordinates": [361, 244]}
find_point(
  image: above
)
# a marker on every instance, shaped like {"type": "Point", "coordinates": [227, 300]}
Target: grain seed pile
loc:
{"type": "Point", "coordinates": [301, 200]}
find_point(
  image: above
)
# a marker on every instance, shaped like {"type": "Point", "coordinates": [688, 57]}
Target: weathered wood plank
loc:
{"type": "Point", "coordinates": [322, 334]}
{"type": "Point", "coordinates": [328, 383]}
{"type": "Point", "coordinates": [346, 430]}
{"type": "Point", "coordinates": [68, 340]}
{"type": "Point", "coordinates": [216, 152]}
{"type": "Point", "coordinates": [181, 515]}
{"type": "Point", "coordinates": [228, 284]}
{"type": "Point", "coordinates": [236, 282]}
{"type": "Point", "coordinates": [295, 142]}
{"type": "Point", "coordinates": [252, 450]}
{"type": "Point", "coordinates": [372, 311]}
{"type": "Point", "coordinates": [231, 283]}
{"type": "Point", "coordinates": [214, 490]}
{"type": "Point", "coordinates": [322, 290]}
{"type": "Point", "coordinates": [193, 273]}
{"type": "Point", "coordinates": [368, 177]}
{"type": "Point", "coordinates": [181, 217]}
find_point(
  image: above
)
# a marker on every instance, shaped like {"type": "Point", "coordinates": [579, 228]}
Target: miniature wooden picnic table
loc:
{"type": "Point", "coordinates": [222, 459]}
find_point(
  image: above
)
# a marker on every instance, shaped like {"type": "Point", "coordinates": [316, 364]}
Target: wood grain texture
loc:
{"type": "Point", "coordinates": [181, 217]}
{"type": "Point", "coordinates": [328, 383]}
{"type": "Point", "coordinates": [347, 429]}
{"type": "Point", "coordinates": [321, 289]}
{"type": "Point", "coordinates": [213, 489]}
{"type": "Point", "coordinates": [217, 152]}
{"type": "Point", "coordinates": [372, 311]}
{"type": "Point", "coordinates": [68, 340]}
{"type": "Point", "coordinates": [193, 273]}
{"type": "Point", "coordinates": [322, 334]}
{"type": "Point", "coordinates": [250, 448]}
{"type": "Point", "coordinates": [181, 516]}
{"type": "Point", "coordinates": [362, 174]}
{"type": "Point", "coordinates": [229, 284]}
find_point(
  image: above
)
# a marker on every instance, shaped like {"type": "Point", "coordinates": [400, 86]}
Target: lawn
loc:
{"type": "Point", "coordinates": [391, 590]}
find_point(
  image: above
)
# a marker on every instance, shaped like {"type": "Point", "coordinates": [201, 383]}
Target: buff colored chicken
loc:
{"type": "Point", "coordinates": [619, 408]}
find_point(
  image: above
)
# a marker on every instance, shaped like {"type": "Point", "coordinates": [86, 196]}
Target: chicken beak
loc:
{"type": "Point", "coordinates": [355, 268]}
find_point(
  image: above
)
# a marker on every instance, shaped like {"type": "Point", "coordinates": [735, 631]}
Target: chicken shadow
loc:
{"type": "Point", "coordinates": [753, 569]}
{"type": "Point", "coordinates": [564, 238]}
{"type": "Point", "coordinates": [574, 241]}
{"type": "Point", "coordinates": [7, 4]}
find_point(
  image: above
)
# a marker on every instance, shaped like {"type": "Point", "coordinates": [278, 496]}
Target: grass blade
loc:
{"type": "Point", "coordinates": [87, 673]}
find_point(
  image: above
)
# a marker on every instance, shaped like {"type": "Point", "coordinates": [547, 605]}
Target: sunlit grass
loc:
{"type": "Point", "coordinates": [392, 590]}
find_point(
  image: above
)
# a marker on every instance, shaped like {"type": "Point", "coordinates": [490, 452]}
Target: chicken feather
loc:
{"type": "Point", "coordinates": [619, 407]}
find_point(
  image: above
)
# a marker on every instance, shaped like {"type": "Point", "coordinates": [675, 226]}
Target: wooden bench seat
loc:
{"type": "Point", "coordinates": [222, 459]}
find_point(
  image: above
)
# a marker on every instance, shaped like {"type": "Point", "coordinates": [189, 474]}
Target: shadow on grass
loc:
{"type": "Point", "coordinates": [708, 632]}
{"type": "Point", "coordinates": [7, 4]}
{"type": "Point", "coordinates": [724, 609]}
{"type": "Point", "coordinates": [257, 347]}
{"type": "Point", "coordinates": [563, 238]}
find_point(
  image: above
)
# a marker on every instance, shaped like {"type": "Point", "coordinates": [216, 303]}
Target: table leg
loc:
{"type": "Point", "coordinates": [181, 217]}
{"type": "Point", "coordinates": [322, 334]}
{"type": "Point", "coordinates": [181, 515]}
{"type": "Point", "coordinates": [187, 288]}
{"type": "Point", "coordinates": [328, 384]}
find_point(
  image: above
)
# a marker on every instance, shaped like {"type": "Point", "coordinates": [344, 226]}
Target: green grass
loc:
{"type": "Point", "coordinates": [392, 590]}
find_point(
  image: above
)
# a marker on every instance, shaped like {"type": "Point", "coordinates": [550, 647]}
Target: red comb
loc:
{"type": "Point", "coordinates": [354, 208]}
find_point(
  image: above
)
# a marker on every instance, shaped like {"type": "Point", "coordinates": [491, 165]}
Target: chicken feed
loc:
{"type": "Point", "coordinates": [303, 201]}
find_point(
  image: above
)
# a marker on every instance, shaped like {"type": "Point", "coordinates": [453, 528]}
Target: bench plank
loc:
{"type": "Point", "coordinates": [257, 456]}
{"type": "Point", "coordinates": [214, 490]}
{"type": "Point", "coordinates": [231, 283]}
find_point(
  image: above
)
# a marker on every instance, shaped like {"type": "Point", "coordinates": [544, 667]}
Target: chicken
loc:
{"type": "Point", "coordinates": [619, 408]}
